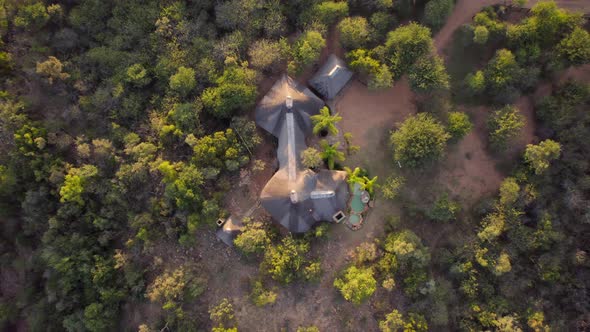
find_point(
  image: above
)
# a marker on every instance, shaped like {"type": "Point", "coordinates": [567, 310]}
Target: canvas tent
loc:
{"type": "Point", "coordinates": [296, 197]}
{"type": "Point", "coordinates": [331, 77]}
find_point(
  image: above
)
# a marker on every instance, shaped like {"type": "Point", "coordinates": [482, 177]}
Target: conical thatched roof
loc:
{"type": "Point", "coordinates": [331, 77]}
{"type": "Point", "coordinates": [271, 109]}
{"type": "Point", "coordinates": [298, 205]}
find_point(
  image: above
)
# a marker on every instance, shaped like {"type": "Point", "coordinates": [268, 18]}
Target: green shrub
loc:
{"type": "Point", "coordinates": [540, 156]}
{"type": "Point", "coordinates": [575, 47]}
{"type": "Point", "coordinates": [444, 209]}
{"type": "Point", "coordinates": [407, 44]}
{"type": "Point", "coordinates": [253, 239]}
{"type": "Point", "coordinates": [436, 12]}
{"type": "Point", "coordinates": [284, 262]}
{"type": "Point", "coordinates": [458, 125]}
{"type": "Point", "coordinates": [354, 32]}
{"type": "Point", "coordinates": [419, 140]}
{"type": "Point", "coordinates": [356, 284]}
{"type": "Point", "coordinates": [260, 296]}
{"type": "Point", "coordinates": [184, 81]}
{"type": "Point", "coordinates": [392, 186]}
{"type": "Point", "coordinates": [481, 34]}
{"type": "Point", "coordinates": [504, 125]}
{"type": "Point", "coordinates": [428, 74]}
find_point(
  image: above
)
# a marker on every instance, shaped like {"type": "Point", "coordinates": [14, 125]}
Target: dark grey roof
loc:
{"type": "Point", "coordinates": [300, 216]}
{"type": "Point", "coordinates": [331, 77]}
{"type": "Point", "coordinates": [271, 109]}
{"type": "Point", "coordinates": [230, 230]}
{"type": "Point", "coordinates": [296, 197]}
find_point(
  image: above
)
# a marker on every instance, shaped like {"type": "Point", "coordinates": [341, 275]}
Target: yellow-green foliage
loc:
{"type": "Point", "coordinates": [357, 284]}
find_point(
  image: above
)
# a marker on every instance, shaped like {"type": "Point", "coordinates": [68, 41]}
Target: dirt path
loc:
{"type": "Point", "coordinates": [463, 13]}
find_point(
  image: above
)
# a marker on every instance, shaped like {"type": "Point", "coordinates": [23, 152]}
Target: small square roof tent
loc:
{"type": "Point", "coordinates": [331, 77]}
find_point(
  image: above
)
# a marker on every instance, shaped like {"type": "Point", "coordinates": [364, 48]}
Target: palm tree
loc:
{"type": "Point", "coordinates": [330, 153]}
{"type": "Point", "coordinates": [369, 185]}
{"type": "Point", "coordinates": [325, 121]}
{"type": "Point", "coordinates": [354, 176]}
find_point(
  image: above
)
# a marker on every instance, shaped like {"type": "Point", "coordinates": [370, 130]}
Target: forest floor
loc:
{"type": "Point", "coordinates": [469, 172]}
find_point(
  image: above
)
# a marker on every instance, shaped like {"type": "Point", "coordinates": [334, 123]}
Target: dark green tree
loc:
{"type": "Point", "coordinates": [419, 140]}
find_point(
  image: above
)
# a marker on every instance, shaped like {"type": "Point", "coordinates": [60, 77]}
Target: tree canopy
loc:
{"type": "Point", "coordinates": [419, 140]}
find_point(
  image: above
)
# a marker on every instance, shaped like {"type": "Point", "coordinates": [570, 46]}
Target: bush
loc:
{"type": "Point", "coordinates": [311, 158]}
{"type": "Point", "coordinates": [458, 125]}
{"type": "Point", "coordinates": [260, 296]}
{"type": "Point", "coordinates": [366, 252]}
{"type": "Point", "coordinates": [173, 288]}
{"type": "Point", "coordinates": [356, 284]}
{"type": "Point", "coordinates": [184, 81]}
{"type": "Point", "coordinates": [575, 47]}
{"type": "Point", "coordinates": [137, 75]}
{"type": "Point", "coordinates": [503, 125]}
{"type": "Point", "coordinates": [253, 239]}
{"type": "Point", "coordinates": [307, 49]}
{"type": "Point", "coordinates": [382, 22]}
{"type": "Point", "coordinates": [428, 74]}
{"type": "Point", "coordinates": [392, 186]}
{"type": "Point", "coordinates": [502, 72]}
{"type": "Point", "coordinates": [52, 68]}
{"type": "Point", "coordinates": [476, 83]}
{"type": "Point", "coordinates": [406, 44]}
{"type": "Point", "coordinates": [284, 262]}
{"type": "Point", "coordinates": [222, 315]}
{"type": "Point", "coordinates": [419, 140]}
{"type": "Point", "coordinates": [539, 156]}
{"type": "Point", "coordinates": [393, 322]}
{"type": "Point", "coordinates": [235, 90]}
{"type": "Point", "coordinates": [436, 12]}
{"type": "Point", "coordinates": [354, 32]}
{"type": "Point", "coordinates": [444, 209]}
{"type": "Point", "coordinates": [33, 16]}
{"type": "Point", "coordinates": [329, 12]}
{"type": "Point", "coordinates": [382, 79]}
{"type": "Point", "coordinates": [509, 191]}
{"type": "Point", "coordinates": [481, 34]}
{"type": "Point", "coordinates": [267, 54]}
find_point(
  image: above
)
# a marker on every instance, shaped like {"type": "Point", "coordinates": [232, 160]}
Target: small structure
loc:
{"type": "Point", "coordinates": [331, 77]}
{"type": "Point", "coordinates": [296, 197]}
{"type": "Point", "coordinates": [229, 229]}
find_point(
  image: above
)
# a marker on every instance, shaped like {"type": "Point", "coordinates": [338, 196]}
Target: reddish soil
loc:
{"type": "Point", "coordinates": [369, 115]}
{"type": "Point", "coordinates": [469, 170]}
{"type": "Point", "coordinates": [580, 74]}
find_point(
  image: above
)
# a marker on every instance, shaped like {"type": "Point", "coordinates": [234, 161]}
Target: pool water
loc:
{"type": "Point", "coordinates": [354, 219]}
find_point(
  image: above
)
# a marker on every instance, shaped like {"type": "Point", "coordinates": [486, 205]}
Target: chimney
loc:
{"type": "Point", "coordinates": [293, 196]}
{"type": "Point", "coordinates": [289, 102]}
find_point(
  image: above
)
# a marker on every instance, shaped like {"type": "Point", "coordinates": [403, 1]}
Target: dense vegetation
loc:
{"type": "Point", "coordinates": [125, 124]}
